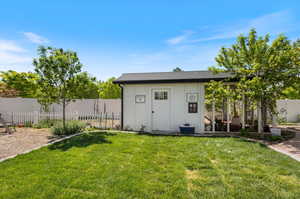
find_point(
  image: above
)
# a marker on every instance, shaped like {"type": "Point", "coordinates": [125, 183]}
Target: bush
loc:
{"type": "Point", "coordinates": [274, 138]}
{"type": "Point", "coordinates": [47, 123]}
{"type": "Point", "coordinates": [244, 132]}
{"type": "Point", "coordinates": [27, 124]}
{"type": "Point", "coordinates": [72, 127]}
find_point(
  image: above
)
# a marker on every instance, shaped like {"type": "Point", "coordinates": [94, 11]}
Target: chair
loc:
{"type": "Point", "coordinates": [235, 124]}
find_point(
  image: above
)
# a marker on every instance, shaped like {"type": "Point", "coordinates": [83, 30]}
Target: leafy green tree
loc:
{"type": "Point", "coordinates": [177, 69]}
{"type": "Point", "coordinates": [58, 71]}
{"type": "Point", "coordinates": [7, 92]}
{"type": "Point", "coordinates": [109, 90]}
{"type": "Point", "coordinates": [263, 69]}
{"type": "Point", "coordinates": [24, 83]}
{"type": "Point", "coordinates": [88, 86]}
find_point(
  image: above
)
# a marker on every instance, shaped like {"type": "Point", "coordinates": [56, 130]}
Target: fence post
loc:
{"type": "Point", "coordinates": [76, 115]}
{"type": "Point", "coordinates": [12, 118]}
{"type": "Point", "coordinates": [105, 121]}
{"type": "Point", "coordinates": [35, 117]}
{"type": "Point", "coordinates": [112, 122]}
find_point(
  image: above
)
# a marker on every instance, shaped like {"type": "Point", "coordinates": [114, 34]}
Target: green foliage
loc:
{"type": "Point", "coordinates": [281, 120]}
{"type": "Point", "coordinates": [244, 132]}
{"type": "Point", "coordinates": [57, 70]}
{"type": "Point", "coordinates": [216, 92]}
{"type": "Point", "coordinates": [28, 124]}
{"type": "Point", "coordinates": [59, 81]}
{"type": "Point", "coordinates": [177, 69]}
{"type": "Point", "coordinates": [25, 83]}
{"type": "Point", "coordinates": [71, 127]}
{"type": "Point", "coordinates": [263, 69]}
{"type": "Point", "coordinates": [46, 123]}
{"type": "Point", "coordinates": [5, 91]}
{"type": "Point", "coordinates": [274, 138]}
{"type": "Point", "coordinates": [109, 90]}
{"type": "Point", "coordinates": [87, 85]}
{"type": "Point", "coordinates": [292, 92]}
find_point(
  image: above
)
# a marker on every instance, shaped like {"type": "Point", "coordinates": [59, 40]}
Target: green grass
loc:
{"type": "Point", "coordinates": [115, 165]}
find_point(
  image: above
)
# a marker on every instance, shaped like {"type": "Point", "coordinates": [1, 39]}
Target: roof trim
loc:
{"type": "Point", "coordinates": [172, 81]}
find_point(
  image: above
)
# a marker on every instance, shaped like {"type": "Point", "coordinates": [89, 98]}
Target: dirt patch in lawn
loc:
{"type": "Point", "coordinates": [22, 140]}
{"type": "Point", "coordinates": [191, 175]}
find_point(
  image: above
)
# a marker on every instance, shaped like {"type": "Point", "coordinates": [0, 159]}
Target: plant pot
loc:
{"type": "Point", "coordinates": [275, 131]}
{"type": "Point", "coordinates": [187, 129]}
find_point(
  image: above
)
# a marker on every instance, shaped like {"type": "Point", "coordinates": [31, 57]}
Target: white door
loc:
{"type": "Point", "coordinates": [161, 109]}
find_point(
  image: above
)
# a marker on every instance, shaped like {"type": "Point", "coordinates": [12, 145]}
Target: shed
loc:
{"type": "Point", "coordinates": [163, 101]}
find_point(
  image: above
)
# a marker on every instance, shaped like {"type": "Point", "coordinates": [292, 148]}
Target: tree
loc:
{"type": "Point", "coordinates": [7, 92]}
{"type": "Point", "coordinates": [58, 71]}
{"type": "Point", "coordinates": [109, 90]}
{"type": "Point", "coordinates": [177, 69]}
{"type": "Point", "coordinates": [88, 86]}
{"type": "Point", "coordinates": [24, 83]}
{"type": "Point", "coordinates": [262, 68]}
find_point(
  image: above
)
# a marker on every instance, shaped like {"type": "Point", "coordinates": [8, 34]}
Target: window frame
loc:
{"type": "Point", "coordinates": [161, 95]}
{"type": "Point", "coordinates": [193, 107]}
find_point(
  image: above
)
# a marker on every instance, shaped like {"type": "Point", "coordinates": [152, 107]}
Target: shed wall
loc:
{"type": "Point", "coordinates": [138, 114]}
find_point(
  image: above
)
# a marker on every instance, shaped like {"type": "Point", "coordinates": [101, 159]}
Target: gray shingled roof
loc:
{"type": "Point", "coordinates": [183, 76]}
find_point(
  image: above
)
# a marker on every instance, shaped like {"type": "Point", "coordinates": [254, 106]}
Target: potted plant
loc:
{"type": "Point", "coordinates": [187, 129]}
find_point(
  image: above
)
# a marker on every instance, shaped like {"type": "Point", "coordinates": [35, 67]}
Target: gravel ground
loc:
{"type": "Point", "coordinates": [22, 140]}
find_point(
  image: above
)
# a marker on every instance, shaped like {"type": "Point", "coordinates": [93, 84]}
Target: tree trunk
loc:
{"type": "Point", "coordinates": [64, 114]}
{"type": "Point", "coordinates": [259, 116]}
{"type": "Point", "coordinates": [264, 113]}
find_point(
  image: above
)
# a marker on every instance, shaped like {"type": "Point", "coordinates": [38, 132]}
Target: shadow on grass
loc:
{"type": "Point", "coordinates": [83, 140]}
{"type": "Point", "coordinates": [251, 141]}
{"type": "Point", "coordinates": [184, 135]}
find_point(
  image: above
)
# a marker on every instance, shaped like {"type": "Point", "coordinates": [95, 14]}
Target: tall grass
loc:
{"type": "Point", "coordinates": [71, 127]}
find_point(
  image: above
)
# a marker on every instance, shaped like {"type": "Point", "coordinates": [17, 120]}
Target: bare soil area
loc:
{"type": "Point", "coordinates": [24, 139]}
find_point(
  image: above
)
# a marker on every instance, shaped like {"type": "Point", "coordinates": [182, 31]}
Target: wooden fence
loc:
{"type": "Point", "coordinates": [103, 120]}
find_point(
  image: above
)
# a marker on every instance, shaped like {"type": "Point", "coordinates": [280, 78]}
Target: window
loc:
{"type": "Point", "coordinates": [161, 95]}
{"type": "Point", "coordinates": [193, 107]}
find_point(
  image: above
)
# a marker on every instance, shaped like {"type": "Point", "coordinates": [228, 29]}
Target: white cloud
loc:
{"type": "Point", "coordinates": [11, 46]}
{"type": "Point", "coordinates": [13, 56]}
{"type": "Point", "coordinates": [8, 58]}
{"type": "Point", "coordinates": [35, 38]}
{"type": "Point", "coordinates": [179, 39]}
{"type": "Point", "coordinates": [273, 23]}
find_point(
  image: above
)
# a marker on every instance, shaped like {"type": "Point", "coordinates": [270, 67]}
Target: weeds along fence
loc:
{"type": "Point", "coordinates": [103, 120]}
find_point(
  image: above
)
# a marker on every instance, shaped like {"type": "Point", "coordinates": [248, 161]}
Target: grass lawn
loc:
{"type": "Point", "coordinates": [115, 165]}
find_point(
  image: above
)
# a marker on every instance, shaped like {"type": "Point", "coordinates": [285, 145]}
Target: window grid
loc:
{"type": "Point", "coordinates": [160, 95]}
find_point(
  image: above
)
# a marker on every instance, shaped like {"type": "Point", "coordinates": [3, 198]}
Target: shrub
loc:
{"type": "Point", "coordinates": [72, 127]}
{"type": "Point", "coordinates": [274, 138]}
{"type": "Point", "coordinates": [244, 132]}
{"type": "Point", "coordinates": [47, 123]}
{"type": "Point", "coordinates": [27, 124]}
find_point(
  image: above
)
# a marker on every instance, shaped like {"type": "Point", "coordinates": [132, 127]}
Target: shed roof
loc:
{"type": "Point", "coordinates": [171, 77]}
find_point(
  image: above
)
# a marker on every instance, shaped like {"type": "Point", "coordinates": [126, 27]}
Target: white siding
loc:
{"type": "Point", "coordinates": [138, 114]}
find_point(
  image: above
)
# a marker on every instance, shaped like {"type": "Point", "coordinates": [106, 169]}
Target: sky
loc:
{"type": "Point", "coordinates": [115, 37]}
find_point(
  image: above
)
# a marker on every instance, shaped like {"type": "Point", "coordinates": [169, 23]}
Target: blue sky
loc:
{"type": "Point", "coordinates": [114, 37]}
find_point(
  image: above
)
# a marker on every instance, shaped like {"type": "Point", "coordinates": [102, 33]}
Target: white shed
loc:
{"type": "Point", "coordinates": [164, 101]}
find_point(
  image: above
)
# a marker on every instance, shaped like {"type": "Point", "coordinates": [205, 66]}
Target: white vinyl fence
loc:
{"type": "Point", "coordinates": [289, 110]}
{"type": "Point", "coordinates": [84, 105]}
{"type": "Point", "coordinates": [102, 113]}
{"type": "Point", "coordinates": [103, 120]}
